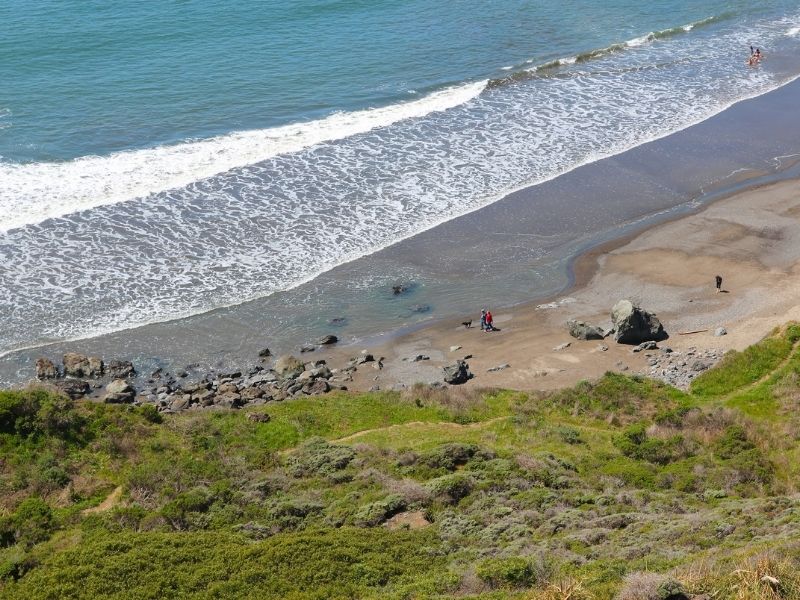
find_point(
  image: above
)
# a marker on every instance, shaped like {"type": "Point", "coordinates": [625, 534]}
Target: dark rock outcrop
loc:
{"type": "Point", "coordinates": [74, 388]}
{"type": "Point", "coordinates": [119, 391]}
{"type": "Point", "coordinates": [328, 340]}
{"type": "Point", "coordinates": [633, 325]}
{"type": "Point", "coordinates": [584, 331]}
{"type": "Point", "coordinates": [457, 374]}
{"type": "Point", "coordinates": [45, 369]}
{"type": "Point", "coordinates": [120, 369]}
{"type": "Point", "coordinates": [288, 366]}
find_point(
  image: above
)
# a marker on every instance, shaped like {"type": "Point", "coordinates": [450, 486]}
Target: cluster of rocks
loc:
{"type": "Point", "coordinates": [678, 369]}
{"type": "Point", "coordinates": [78, 375]}
{"type": "Point", "coordinates": [290, 377]}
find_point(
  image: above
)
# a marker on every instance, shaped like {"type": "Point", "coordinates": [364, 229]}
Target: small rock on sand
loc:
{"type": "Point", "coordinates": [720, 331]}
{"type": "Point", "coordinates": [454, 348]}
{"type": "Point", "coordinates": [560, 347]}
{"type": "Point", "coordinates": [498, 368]}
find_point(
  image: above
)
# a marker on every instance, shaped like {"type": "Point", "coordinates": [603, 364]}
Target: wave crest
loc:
{"type": "Point", "coordinates": [34, 192]}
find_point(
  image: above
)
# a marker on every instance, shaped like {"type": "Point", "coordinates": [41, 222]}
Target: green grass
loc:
{"type": "Point", "coordinates": [740, 369]}
{"type": "Point", "coordinates": [515, 493]}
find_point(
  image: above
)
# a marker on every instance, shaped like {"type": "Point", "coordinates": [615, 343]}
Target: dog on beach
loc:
{"type": "Point", "coordinates": [467, 324]}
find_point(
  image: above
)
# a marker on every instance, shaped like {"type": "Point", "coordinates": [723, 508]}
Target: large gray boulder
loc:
{"type": "Point", "coordinates": [120, 369]}
{"type": "Point", "coordinates": [457, 374]}
{"type": "Point", "coordinates": [633, 325]}
{"type": "Point", "coordinates": [584, 331]}
{"type": "Point", "coordinates": [289, 366]}
{"type": "Point", "coordinates": [119, 391]}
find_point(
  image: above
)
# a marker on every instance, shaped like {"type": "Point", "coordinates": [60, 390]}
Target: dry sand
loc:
{"type": "Point", "coordinates": [750, 239]}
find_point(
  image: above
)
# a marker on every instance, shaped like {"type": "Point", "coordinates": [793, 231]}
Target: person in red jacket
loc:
{"type": "Point", "coordinates": [489, 321]}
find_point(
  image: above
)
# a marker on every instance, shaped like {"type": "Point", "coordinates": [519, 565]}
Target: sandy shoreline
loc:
{"type": "Point", "coordinates": [747, 238]}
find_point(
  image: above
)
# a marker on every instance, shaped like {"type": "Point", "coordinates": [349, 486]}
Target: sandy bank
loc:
{"type": "Point", "coordinates": [749, 239]}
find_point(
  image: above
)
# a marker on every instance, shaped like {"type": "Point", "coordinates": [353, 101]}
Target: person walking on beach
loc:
{"type": "Point", "coordinates": [489, 321]}
{"type": "Point", "coordinates": [483, 319]}
{"type": "Point", "coordinates": [719, 283]}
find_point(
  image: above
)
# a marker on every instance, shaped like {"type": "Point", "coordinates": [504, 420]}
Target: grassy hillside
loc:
{"type": "Point", "coordinates": [618, 488]}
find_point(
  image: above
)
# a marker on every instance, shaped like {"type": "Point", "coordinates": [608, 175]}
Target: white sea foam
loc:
{"type": "Point", "coordinates": [641, 41]}
{"type": "Point", "coordinates": [31, 193]}
{"type": "Point", "coordinates": [793, 31]}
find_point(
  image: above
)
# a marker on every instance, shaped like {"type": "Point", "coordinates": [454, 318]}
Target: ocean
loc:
{"type": "Point", "coordinates": [161, 160]}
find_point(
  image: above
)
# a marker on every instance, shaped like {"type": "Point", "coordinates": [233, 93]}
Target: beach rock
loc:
{"type": "Point", "coordinates": [720, 331]}
{"type": "Point", "coordinates": [259, 417]}
{"type": "Point", "coordinates": [120, 369]}
{"type": "Point", "coordinates": [498, 368]}
{"type": "Point", "coordinates": [651, 345]}
{"type": "Point", "coordinates": [420, 357]}
{"type": "Point", "coordinates": [321, 372]}
{"type": "Point", "coordinates": [74, 388]}
{"type": "Point", "coordinates": [338, 321]}
{"type": "Point", "coordinates": [288, 366]}
{"type": "Point", "coordinates": [119, 391]}
{"type": "Point", "coordinates": [251, 393]}
{"type": "Point", "coordinates": [228, 388]}
{"type": "Point", "coordinates": [45, 369]}
{"type": "Point", "coordinates": [75, 365]}
{"type": "Point", "coordinates": [308, 348]}
{"type": "Point", "coordinates": [633, 325]}
{"type": "Point", "coordinates": [96, 367]}
{"type": "Point", "coordinates": [228, 400]}
{"type": "Point", "coordinates": [457, 374]}
{"type": "Point", "coordinates": [364, 358]}
{"type": "Point", "coordinates": [399, 289]}
{"type": "Point", "coordinates": [602, 348]}
{"type": "Point", "coordinates": [314, 388]}
{"type": "Point", "coordinates": [264, 353]}
{"type": "Point", "coordinates": [454, 348]}
{"type": "Point", "coordinates": [561, 347]}
{"type": "Point", "coordinates": [420, 308]}
{"type": "Point", "coordinates": [584, 331]}
{"type": "Point", "coordinates": [180, 402]}
{"type": "Point", "coordinates": [203, 397]}
{"type": "Point", "coordinates": [328, 340]}
{"type": "Point", "coordinates": [195, 387]}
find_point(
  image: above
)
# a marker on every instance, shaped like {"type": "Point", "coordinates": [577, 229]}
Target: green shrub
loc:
{"type": "Point", "coordinates": [150, 413]}
{"type": "Point", "coordinates": [514, 572]}
{"type": "Point", "coordinates": [377, 512]}
{"type": "Point", "coordinates": [569, 435]}
{"type": "Point", "coordinates": [31, 523]}
{"type": "Point", "coordinates": [334, 564]}
{"type": "Point", "coordinates": [452, 487]}
{"type": "Point", "coordinates": [316, 457]}
{"type": "Point", "coordinates": [449, 456]}
{"type": "Point", "coordinates": [733, 441]}
{"type": "Point", "coordinates": [635, 443]}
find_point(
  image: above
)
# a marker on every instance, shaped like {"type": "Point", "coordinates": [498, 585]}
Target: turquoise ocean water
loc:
{"type": "Point", "coordinates": [160, 159]}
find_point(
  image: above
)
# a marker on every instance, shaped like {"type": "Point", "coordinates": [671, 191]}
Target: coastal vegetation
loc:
{"type": "Point", "coordinates": [619, 488]}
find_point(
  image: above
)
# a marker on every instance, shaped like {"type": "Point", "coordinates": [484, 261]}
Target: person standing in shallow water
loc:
{"type": "Point", "coordinates": [718, 280]}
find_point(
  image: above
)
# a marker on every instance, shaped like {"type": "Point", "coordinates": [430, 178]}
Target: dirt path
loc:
{"type": "Point", "coordinates": [110, 502]}
{"type": "Point", "coordinates": [443, 424]}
